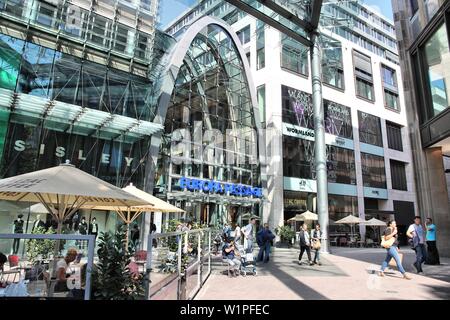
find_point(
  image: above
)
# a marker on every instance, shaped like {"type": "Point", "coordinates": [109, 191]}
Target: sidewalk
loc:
{"type": "Point", "coordinates": [343, 275]}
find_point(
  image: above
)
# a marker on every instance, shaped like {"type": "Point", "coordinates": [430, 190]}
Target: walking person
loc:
{"type": "Point", "coordinates": [416, 233]}
{"type": "Point", "coordinates": [248, 235]}
{"type": "Point", "coordinates": [391, 236]}
{"type": "Point", "coordinates": [305, 245]}
{"type": "Point", "coordinates": [316, 236]}
{"type": "Point", "coordinates": [432, 251]}
{"type": "Point", "coordinates": [264, 238]}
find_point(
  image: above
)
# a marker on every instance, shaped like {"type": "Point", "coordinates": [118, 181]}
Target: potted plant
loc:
{"type": "Point", "coordinates": [112, 278]}
{"type": "Point", "coordinates": [286, 235]}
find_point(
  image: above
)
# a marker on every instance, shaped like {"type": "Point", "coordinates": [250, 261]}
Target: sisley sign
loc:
{"type": "Point", "coordinates": [60, 152]}
{"type": "Point", "coordinates": [219, 187]}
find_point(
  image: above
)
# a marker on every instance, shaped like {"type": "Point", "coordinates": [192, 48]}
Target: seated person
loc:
{"type": "Point", "coordinates": [61, 268]}
{"type": "Point", "coordinates": [230, 254]}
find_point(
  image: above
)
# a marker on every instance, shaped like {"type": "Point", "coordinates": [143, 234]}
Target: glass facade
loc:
{"type": "Point", "coordinates": [437, 59]}
{"type": "Point", "coordinates": [110, 26]}
{"type": "Point", "coordinates": [297, 109]}
{"type": "Point", "coordinates": [70, 108]}
{"type": "Point", "coordinates": [369, 129]}
{"type": "Point", "coordinates": [332, 63]}
{"type": "Point", "coordinates": [211, 99]}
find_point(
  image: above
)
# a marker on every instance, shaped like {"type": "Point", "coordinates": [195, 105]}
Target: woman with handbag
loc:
{"type": "Point", "coordinates": [389, 241]}
{"type": "Point", "coordinates": [316, 236]}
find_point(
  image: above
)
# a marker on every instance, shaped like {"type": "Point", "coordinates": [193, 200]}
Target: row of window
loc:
{"type": "Point", "coordinates": [299, 162]}
{"type": "Point", "coordinates": [297, 109]}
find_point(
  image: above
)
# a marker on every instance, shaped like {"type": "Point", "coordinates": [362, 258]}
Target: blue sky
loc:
{"type": "Point", "coordinates": [170, 9]}
{"type": "Point", "coordinates": [384, 6]}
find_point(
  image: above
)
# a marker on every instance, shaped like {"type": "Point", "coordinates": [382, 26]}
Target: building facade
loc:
{"type": "Point", "coordinates": [370, 171]}
{"type": "Point", "coordinates": [95, 83]}
{"type": "Point", "coordinates": [76, 84]}
{"type": "Point", "coordinates": [423, 35]}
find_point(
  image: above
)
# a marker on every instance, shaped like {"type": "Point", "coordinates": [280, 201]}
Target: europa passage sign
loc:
{"type": "Point", "coordinates": [212, 186]}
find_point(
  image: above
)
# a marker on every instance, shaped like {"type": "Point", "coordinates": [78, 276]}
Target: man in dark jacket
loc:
{"type": "Point", "coordinates": [264, 238]}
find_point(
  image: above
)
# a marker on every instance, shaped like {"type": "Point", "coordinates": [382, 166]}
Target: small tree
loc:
{"type": "Point", "coordinates": [286, 234]}
{"type": "Point", "coordinates": [112, 277]}
{"type": "Point", "coordinates": [40, 248]}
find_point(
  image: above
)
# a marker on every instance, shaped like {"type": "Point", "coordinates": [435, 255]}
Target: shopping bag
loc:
{"type": "Point", "coordinates": [392, 262]}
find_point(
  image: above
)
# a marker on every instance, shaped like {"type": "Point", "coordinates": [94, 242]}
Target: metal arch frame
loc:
{"type": "Point", "coordinates": [177, 59]}
{"type": "Point", "coordinates": [175, 62]}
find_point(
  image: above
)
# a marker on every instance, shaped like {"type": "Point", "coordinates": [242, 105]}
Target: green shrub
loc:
{"type": "Point", "coordinates": [112, 278]}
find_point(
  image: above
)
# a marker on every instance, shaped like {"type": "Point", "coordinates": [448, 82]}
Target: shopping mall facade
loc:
{"type": "Point", "coordinates": [98, 85]}
{"type": "Point", "coordinates": [369, 159]}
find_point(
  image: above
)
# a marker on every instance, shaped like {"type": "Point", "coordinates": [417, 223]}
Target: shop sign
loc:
{"type": "Point", "coordinates": [213, 186]}
{"type": "Point", "coordinates": [377, 193]}
{"type": "Point", "coordinates": [298, 132]}
{"type": "Point", "coordinates": [60, 152]}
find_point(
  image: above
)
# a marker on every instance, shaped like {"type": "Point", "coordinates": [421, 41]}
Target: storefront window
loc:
{"type": "Point", "coordinates": [373, 171]}
{"type": "Point", "coordinates": [437, 56]}
{"type": "Point", "coordinates": [369, 129]}
{"type": "Point", "coordinates": [298, 161]}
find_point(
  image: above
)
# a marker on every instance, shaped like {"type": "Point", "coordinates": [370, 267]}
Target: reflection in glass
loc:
{"type": "Point", "coordinates": [437, 61]}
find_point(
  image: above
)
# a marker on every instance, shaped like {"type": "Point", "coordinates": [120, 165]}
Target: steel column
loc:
{"type": "Point", "coordinates": [319, 133]}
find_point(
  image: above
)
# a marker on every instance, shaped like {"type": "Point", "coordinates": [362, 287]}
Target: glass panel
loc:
{"type": "Point", "coordinates": [294, 56]}
{"type": "Point", "coordinates": [373, 171]}
{"type": "Point", "coordinates": [437, 60]}
{"type": "Point", "coordinates": [369, 129]}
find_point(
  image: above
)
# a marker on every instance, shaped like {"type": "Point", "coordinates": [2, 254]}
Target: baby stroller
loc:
{"type": "Point", "coordinates": [248, 263]}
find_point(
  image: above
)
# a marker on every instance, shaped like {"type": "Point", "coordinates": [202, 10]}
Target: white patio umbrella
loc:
{"type": "Point", "coordinates": [129, 214]}
{"type": "Point", "coordinates": [350, 220]}
{"type": "Point", "coordinates": [308, 215]}
{"type": "Point", "coordinates": [374, 223]}
{"type": "Point", "coordinates": [63, 190]}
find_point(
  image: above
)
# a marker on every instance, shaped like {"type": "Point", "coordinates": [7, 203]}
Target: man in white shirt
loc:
{"type": "Point", "coordinates": [248, 235]}
{"type": "Point", "coordinates": [417, 235]}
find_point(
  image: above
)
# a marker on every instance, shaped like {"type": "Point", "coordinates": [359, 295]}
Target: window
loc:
{"type": "Point", "coordinates": [332, 66]}
{"type": "Point", "coordinates": [437, 60]}
{"type": "Point", "coordinates": [414, 6]}
{"type": "Point", "coordinates": [294, 56]}
{"type": "Point", "coordinates": [391, 100]}
{"type": "Point", "coordinates": [369, 129]}
{"type": "Point", "coordinates": [260, 46]}
{"type": "Point", "coordinates": [398, 175]}
{"type": "Point", "coordinates": [373, 171]}
{"type": "Point", "coordinates": [394, 135]}
{"type": "Point", "coordinates": [244, 35]}
{"type": "Point", "coordinates": [298, 161]}
{"type": "Point", "coordinates": [248, 55]}
{"type": "Point", "coordinates": [388, 76]}
{"type": "Point", "coordinates": [261, 95]}
{"type": "Point", "coordinates": [363, 76]}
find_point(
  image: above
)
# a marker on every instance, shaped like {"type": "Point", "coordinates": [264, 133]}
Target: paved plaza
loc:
{"type": "Point", "coordinates": [344, 274]}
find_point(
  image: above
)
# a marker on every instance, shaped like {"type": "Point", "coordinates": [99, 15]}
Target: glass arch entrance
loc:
{"type": "Point", "coordinates": [209, 161]}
